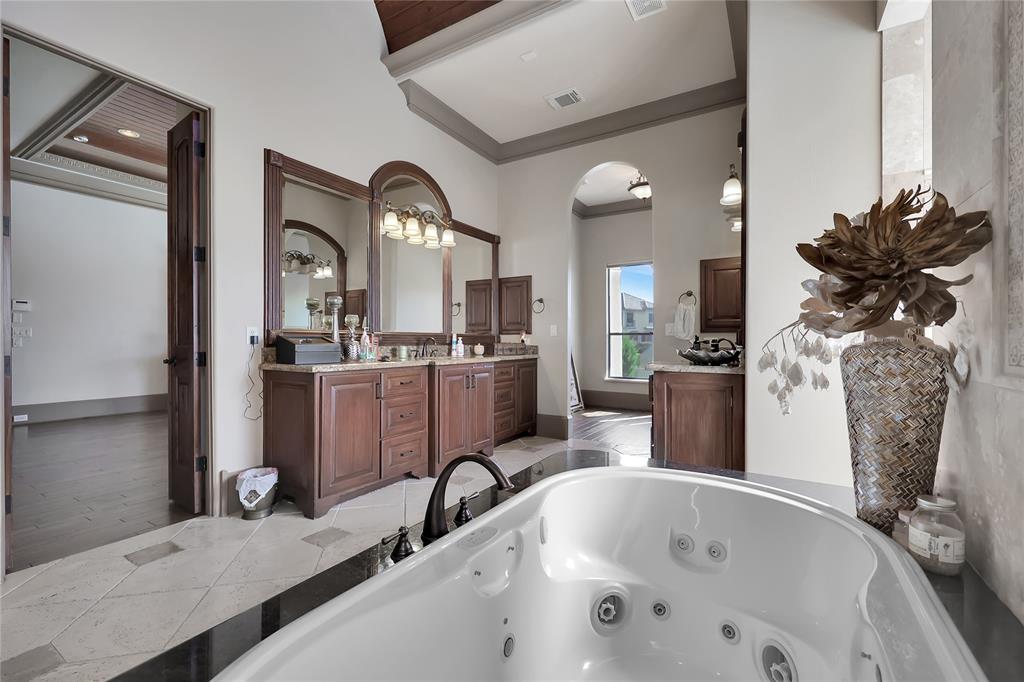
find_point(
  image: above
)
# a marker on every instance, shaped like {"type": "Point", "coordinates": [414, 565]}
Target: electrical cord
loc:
{"type": "Point", "coordinates": [252, 386]}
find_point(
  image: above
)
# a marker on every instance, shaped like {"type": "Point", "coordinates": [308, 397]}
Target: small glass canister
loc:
{"type": "Point", "coordinates": [937, 535]}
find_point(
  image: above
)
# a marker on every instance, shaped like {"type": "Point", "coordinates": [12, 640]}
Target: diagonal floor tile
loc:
{"type": "Point", "coordinates": [388, 495]}
{"type": "Point", "coordinates": [32, 664]}
{"type": "Point", "coordinates": [182, 570]}
{"type": "Point", "coordinates": [226, 601]}
{"type": "Point", "coordinates": [215, 532]}
{"type": "Point", "coordinates": [98, 670]}
{"type": "Point", "coordinates": [30, 627]}
{"type": "Point", "coordinates": [326, 537]}
{"type": "Point", "coordinates": [272, 561]}
{"type": "Point", "coordinates": [119, 626]}
{"type": "Point", "coordinates": [145, 555]}
{"type": "Point", "coordinates": [15, 580]}
{"type": "Point", "coordinates": [71, 579]}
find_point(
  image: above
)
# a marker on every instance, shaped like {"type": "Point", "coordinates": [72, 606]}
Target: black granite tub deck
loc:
{"type": "Point", "coordinates": [990, 629]}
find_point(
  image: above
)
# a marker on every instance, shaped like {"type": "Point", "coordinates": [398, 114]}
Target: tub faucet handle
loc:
{"type": "Point", "coordinates": [403, 548]}
{"type": "Point", "coordinates": [464, 516]}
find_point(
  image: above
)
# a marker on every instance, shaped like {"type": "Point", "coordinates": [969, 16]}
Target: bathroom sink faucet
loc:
{"type": "Point", "coordinates": [423, 347]}
{"type": "Point", "coordinates": [435, 525]}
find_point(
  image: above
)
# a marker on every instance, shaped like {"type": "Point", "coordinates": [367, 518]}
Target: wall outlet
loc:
{"type": "Point", "coordinates": [20, 418]}
{"type": "Point", "coordinates": [251, 332]}
{"type": "Point", "coordinates": [21, 304]}
{"type": "Point", "coordinates": [553, 330]}
{"type": "Point", "coordinates": [21, 331]}
{"type": "Point", "coordinates": [17, 318]}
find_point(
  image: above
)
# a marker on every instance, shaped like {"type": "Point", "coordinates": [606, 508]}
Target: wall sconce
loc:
{"type": "Point", "coordinates": [420, 227]}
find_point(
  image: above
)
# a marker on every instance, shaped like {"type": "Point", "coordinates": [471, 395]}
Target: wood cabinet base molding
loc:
{"type": "Point", "coordinates": [698, 419]}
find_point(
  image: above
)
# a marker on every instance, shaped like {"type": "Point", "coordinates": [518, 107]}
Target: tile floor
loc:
{"type": "Point", "coordinates": [93, 615]}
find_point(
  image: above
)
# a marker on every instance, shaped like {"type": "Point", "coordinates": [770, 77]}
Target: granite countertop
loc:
{"type": "Point", "coordinates": [991, 631]}
{"type": "Point", "coordinates": [393, 364]}
{"type": "Point", "coordinates": [696, 369]}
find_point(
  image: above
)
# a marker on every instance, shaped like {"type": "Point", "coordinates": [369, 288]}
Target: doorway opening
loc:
{"type": "Point", "coordinates": [105, 305]}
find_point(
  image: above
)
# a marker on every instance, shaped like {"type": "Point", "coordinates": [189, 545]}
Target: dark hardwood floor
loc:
{"type": "Point", "coordinates": [626, 431]}
{"type": "Point", "coordinates": [84, 483]}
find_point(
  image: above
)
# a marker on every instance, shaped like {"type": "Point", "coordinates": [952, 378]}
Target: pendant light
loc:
{"type": "Point", "coordinates": [732, 190]}
{"type": "Point", "coordinates": [640, 188]}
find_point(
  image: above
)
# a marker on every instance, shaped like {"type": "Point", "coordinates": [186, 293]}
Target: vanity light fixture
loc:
{"type": "Point", "coordinates": [128, 132]}
{"type": "Point", "coordinates": [306, 264]}
{"type": "Point", "coordinates": [448, 238]}
{"type": "Point", "coordinates": [732, 190]}
{"type": "Point", "coordinates": [640, 188]}
{"type": "Point", "coordinates": [391, 223]}
{"type": "Point", "coordinates": [419, 226]}
{"type": "Point", "coordinates": [412, 228]}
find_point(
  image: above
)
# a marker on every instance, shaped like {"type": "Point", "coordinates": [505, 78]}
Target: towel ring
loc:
{"type": "Point", "coordinates": [542, 306]}
{"type": "Point", "coordinates": [688, 292]}
{"type": "Point", "coordinates": [456, 309]}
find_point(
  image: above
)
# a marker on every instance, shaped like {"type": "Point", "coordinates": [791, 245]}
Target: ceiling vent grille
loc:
{"type": "Point", "coordinates": [561, 100]}
{"type": "Point", "coordinates": [641, 9]}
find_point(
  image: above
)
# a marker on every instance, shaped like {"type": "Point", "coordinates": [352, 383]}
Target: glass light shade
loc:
{"type": "Point", "coordinates": [417, 241]}
{"type": "Point", "coordinates": [447, 238]}
{"type": "Point", "coordinates": [412, 227]}
{"type": "Point", "coordinates": [328, 272]}
{"type": "Point", "coordinates": [432, 245]}
{"type": "Point", "coordinates": [397, 234]}
{"type": "Point", "coordinates": [641, 190]}
{"type": "Point", "coordinates": [430, 232]}
{"type": "Point", "coordinates": [319, 274]}
{"type": "Point", "coordinates": [736, 224]}
{"type": "Point", "coordinates": [732, 190]}
{"type": "Point", "coordinates": [391, 222]}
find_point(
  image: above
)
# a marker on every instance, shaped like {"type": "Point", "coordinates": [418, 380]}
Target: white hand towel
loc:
{"type": "Point", "coordinates": [685, 320]}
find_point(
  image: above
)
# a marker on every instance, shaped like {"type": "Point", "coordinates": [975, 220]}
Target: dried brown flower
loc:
{"type": "Point", "coordinates": [874, 268]}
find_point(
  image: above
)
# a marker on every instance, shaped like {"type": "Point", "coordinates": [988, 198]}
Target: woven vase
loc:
{"type": "Point", "coordinates": [895, 405]}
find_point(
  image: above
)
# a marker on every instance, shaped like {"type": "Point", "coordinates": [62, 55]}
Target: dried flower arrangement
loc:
{"type": "Point", "coordinates": [873, 267]}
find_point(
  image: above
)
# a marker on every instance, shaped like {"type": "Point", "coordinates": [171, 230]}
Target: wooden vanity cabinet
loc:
{"type": "Point", "coordinates": [698, 419]}
{"type": "Point", "coordinates": [515, 399]}
{"type": "Point", "coordinates": [463, 414]}
{"type": "Point", "coordinates": [336, 435]}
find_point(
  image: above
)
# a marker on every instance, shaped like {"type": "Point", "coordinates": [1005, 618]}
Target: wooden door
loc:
{"type": "Point", "coordinates": [721, 294]}
{"type": "Point", "coordinates": [516, 299]}
{"type": "Point", "coordinates": [183, 261]}
{"type": "Point", "coordinates": [526, 396]}
{"type": "Point", "coordinates": [349, 431]}
{"type": "Point", "coordinates": [355, 304]}
{"type": "Point", "coordinates": [698, 419]}
{"type": "Point", "coordinates": [8, 426]}
{"type": "Point", "coordinates": [452, 407]}
{"type": "Point", "coordinates": [481, 410]}
{"type": "Point", "coordinates": [478, 306]}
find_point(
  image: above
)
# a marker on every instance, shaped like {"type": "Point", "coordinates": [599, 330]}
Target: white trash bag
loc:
{"type": "Point", "coordinates": [255, 484]}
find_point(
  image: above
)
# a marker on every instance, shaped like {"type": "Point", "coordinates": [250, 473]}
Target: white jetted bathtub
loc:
{"type": "Point", "coordinates": [634, 574]}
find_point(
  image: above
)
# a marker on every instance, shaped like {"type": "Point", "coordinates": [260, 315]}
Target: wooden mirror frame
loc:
{"type": "Point", "coordinates": [275, 167]}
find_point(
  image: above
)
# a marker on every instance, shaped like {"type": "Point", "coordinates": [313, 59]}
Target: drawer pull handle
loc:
{"type": "Point", "coordinates": [405, 383]}
{"type": "Point", "coordinates": [405, 415]}
{"type": "Point", "coordinates": [406, 453]}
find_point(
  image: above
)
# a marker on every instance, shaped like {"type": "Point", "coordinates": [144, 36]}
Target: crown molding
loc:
{"type": "Point", "coordinates": [59, 172]}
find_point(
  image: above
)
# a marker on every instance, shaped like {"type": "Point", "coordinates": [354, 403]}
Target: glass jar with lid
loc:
{"type": "Point", "coordinates": [937, 535]}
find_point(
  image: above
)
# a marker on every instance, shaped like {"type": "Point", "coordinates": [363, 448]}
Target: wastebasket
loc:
{"type": "Point", "coordinates": [256, 491]}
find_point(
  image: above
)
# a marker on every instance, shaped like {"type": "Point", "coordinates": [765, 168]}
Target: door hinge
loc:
{"type": "Point", "coordinates": [199, 254]}
{"type": "Point", "coordinates": [7, 504]}
{"type": "Point", "coordinates": [199, 148]}
{"type": "Point", "coordinates": [7, 365]}
{"type": "Point", "coordinates": [201, 463]}
{"type": "Point", "coordinates": [7, 226]}
{"type": "Point", "coordinates": [7, 86]}
{"type": "Point", "coordinates": [201, 359]}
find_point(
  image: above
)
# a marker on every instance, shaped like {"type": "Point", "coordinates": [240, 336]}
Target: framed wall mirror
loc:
{"type": "Point", "coordinates": [317, 227]}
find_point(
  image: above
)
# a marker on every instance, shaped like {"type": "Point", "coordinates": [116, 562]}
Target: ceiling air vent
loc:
{"type": "Point", "coordinates": [641, 9]}
{"type": "Point", "coordinates": [561, 100]}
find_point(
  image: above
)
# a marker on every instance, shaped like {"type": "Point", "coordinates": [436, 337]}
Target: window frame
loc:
{"type": "Point", "coordinates": [608, 333]}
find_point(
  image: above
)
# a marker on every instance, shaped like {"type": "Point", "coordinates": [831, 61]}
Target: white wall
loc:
{"type": "Point", "coordinates": [471, 259]}
{"type": "Point", "coordinates": [96, 273]}
{"type": "Point", "coordinates": [686, 162]}
{"type": "Point", "coordinates": [302, 78]}
{"type": "Point", "coordinates": [814, 149]}
{"type": "Point", "coordinates": [609, 240]}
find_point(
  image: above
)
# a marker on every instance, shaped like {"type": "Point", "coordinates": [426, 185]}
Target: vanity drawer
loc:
{"type": "Point", "coordinates": [504, 397]}
{"type": "Point", "coordinates": [504, 371]}
{"type": "Point", "coordinates": [403, 383]}
{"type": "Point", "coordinates": [504, 423]}
{"type": "Point", "coordinates": [402, 453]}
{"type": "Point", "coordinates": [405, 414]}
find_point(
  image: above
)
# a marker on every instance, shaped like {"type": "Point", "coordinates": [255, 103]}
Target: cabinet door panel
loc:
{"type": "Point", "coordinates": [349, 431]}
{"type": "Point", "coordinates": [526, 395]}
{"type": "Point", "coordinates": [699, 420]}
{"type": "Point", "coordinates": [515, 301]}
{"type": "Point", "coordinates": [478, 306]}
{"type": "Point", "coordinates": [721, 300]}
{"type": "Point", "coordinates": [452, 405]}
{"type": "Point", "coordinates": [481, 410]}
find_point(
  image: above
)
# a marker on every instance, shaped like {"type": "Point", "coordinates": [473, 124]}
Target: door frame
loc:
{"type": "Point", "coordinates": [204, 279]}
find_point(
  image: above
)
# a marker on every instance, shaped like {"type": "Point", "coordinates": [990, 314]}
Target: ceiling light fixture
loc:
{"type": "Point", "coordinates": [128, 132]}
{"type": "Point", "coordinates": [419, 226]}
{"type": "Point", "coordinates": [81, 138]}
{"type": "Point", "coordinates": [300, 263]}
{"type": "Point", "coordinates": [732, 190]}
{"type": "Point", "coordinates": [640, 188]}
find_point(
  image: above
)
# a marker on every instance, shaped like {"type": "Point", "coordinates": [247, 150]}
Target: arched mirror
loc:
{"type": "Point", "coordinates": [313, 268]}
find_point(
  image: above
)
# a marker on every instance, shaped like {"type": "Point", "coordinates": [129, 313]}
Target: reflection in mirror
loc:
{"type": "Point", "coordinates": [411, 267]}
{"type": "Point", "coordinates": [323, 253]}
{"type": "Point", "coordinates": [471, 305]}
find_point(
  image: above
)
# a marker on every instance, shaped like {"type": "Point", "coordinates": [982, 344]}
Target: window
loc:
{"type": "Point", "coordinates": [630, 320]}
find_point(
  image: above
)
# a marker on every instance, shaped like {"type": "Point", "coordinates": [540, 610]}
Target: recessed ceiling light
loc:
{"type": "Point", "coordinates": [128, 132]}
{"type": "Point", "coordinates": [528, 56]}
{"type": "Point", "coordinates": [81, 138]}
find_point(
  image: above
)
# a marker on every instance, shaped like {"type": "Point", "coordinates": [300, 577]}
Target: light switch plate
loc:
{"type": "Point", "coordinates": [553, 329]}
